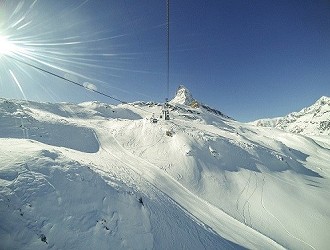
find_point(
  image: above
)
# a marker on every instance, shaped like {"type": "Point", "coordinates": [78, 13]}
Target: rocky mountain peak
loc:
{"type": "Point", "coordinates": [183, 96]}
{"type": "Point", "coordinates": [323, 101]}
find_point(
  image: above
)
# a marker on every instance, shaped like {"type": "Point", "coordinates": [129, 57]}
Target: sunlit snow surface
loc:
{"type": "Point", "coordinates": [97, 176]}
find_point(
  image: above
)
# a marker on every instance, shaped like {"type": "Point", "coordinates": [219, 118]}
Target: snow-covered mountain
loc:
{"type": "Point", "coordinates": [313, 120]}
{"type": "Point", "coordinates": [183, 97]}
{"type": "Point", "coordinates": [99, 176]}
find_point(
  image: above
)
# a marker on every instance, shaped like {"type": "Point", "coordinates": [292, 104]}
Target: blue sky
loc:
{"type": "Point", "coordinates": [249, 59]}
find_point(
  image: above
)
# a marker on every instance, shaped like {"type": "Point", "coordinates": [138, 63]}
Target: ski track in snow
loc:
{"type": "Point", "coordinates": [241, 194]}
{"type": "Point", "coordinates": [130, 165]}
{"type": "Point", "coordinates": [272, 215]}
{"type": "Point", "coordinates": [126, 162]}
{"type": "Point", "coordinates": [244, 211]}
{"type": "Point", "coordinates": [246, 206]}
{"type": "Point", "coordinates": [172, 184]}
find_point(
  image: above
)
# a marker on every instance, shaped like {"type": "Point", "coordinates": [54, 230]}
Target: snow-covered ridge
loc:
{"type": "Point", "coordinates": [102, 176]}
{"type": "Point", "coordinates": [312, 120]}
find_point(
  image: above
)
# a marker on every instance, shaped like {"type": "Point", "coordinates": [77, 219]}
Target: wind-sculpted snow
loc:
{"type": "Point", "coordinates": [197, 181]}
{"type": "Point", "coordinates": [52, 202]}
{"type": "Point", "coordinates": [55, 134]}
{"type": "Point", "coordinates": [18, 121]}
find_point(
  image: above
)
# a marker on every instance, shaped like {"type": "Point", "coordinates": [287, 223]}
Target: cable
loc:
{"type": "Point", "coordinates": [76, 83]}
{"type": "Point", "coordinates": [65, 79]}
{"type": "Point", "coordinates": [168, 47]}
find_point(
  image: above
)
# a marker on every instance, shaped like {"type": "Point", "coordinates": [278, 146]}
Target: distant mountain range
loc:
{"type": "Point", "coordinates": [313, 120]}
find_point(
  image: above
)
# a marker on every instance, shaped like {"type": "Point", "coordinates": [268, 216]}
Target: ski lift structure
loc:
{"type": "Point", "coordinates": [165, 111]}
{"type": "Point", "coordinates": [164, 114]}
{"type": "Point", "coordinates": [153, 119]}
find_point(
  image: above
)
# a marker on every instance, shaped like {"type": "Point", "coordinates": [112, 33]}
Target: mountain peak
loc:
{"type": "Point", "coordinates": [323, 100]}
{"type": "Point", "coordinates": [319, 107]}
{"type": "Point", "coordinates": [183, 96]}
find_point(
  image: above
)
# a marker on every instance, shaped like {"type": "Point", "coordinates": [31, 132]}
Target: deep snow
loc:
{"type": "Point", "coordinates": [100, 176]}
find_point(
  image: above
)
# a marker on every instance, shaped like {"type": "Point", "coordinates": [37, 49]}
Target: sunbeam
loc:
{"type": "Point", "coordinates": [18, 84]}
{"type": "Point", "coordinates": [66, 39]}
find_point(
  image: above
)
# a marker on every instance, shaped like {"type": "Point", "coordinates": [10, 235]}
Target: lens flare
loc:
{"type": "Point", "coordinates": [6, 47]}
{"type": "Point", "coordinates": [65, 38]}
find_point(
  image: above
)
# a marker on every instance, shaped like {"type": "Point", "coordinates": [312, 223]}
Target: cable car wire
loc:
{"type": "Point", "coordinates": [74, 82]}
{"type": "Point", "coordinates": [168, 47]}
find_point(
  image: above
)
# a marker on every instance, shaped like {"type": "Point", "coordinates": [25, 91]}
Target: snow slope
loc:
{"type": "Point", "coordinates": [101, 176]}
{"type": "Point", "coordinates": [313, 120]}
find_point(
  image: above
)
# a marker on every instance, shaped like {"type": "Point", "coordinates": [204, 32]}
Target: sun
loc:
{"type": "Point", "coordinates": [6, 46]}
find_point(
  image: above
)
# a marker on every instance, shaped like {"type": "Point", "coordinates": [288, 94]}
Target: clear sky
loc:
{"type": "Point", "coordinates": [249, 59]}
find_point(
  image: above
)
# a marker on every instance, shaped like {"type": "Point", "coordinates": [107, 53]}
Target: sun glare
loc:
{"type": "Point", "coordinates": [32, 45]}
{"type": "Point", "coordinates": [6, 47]}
